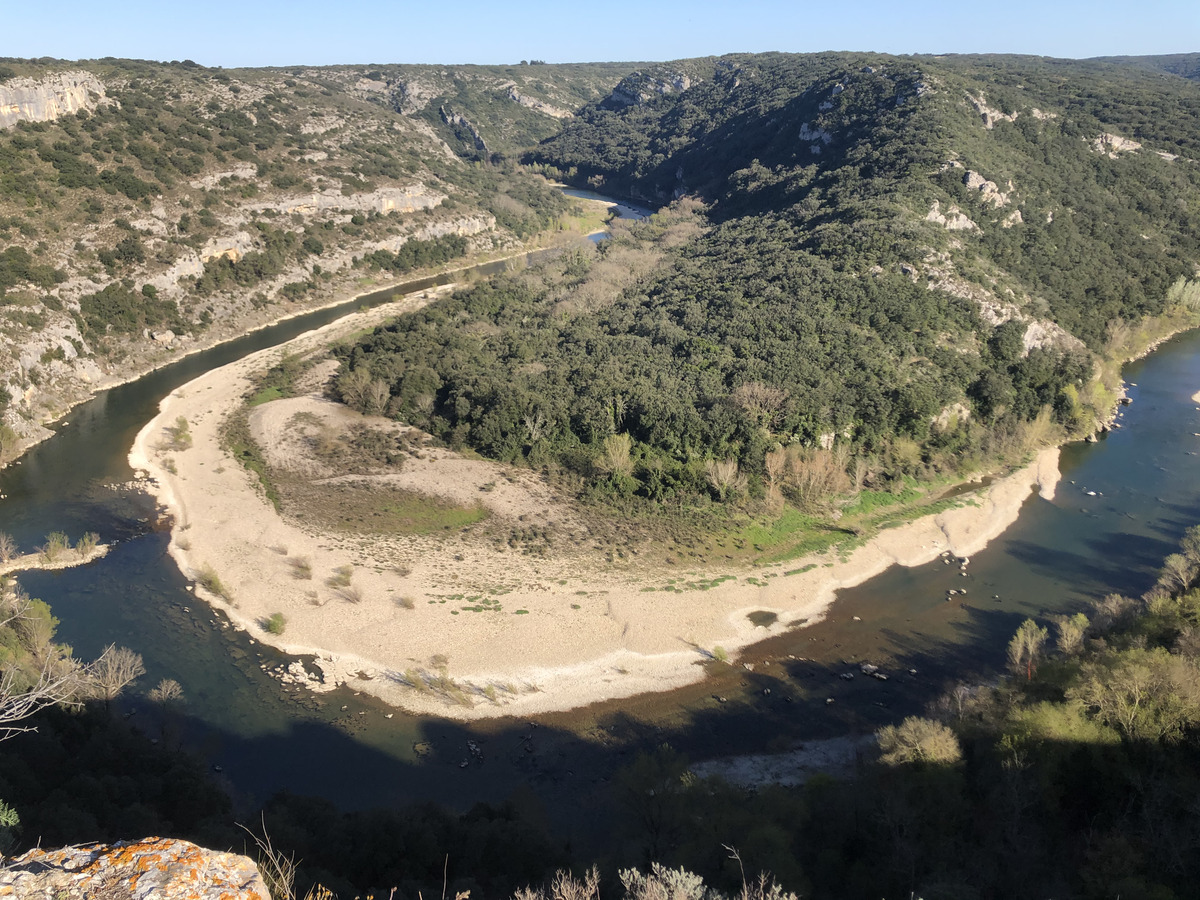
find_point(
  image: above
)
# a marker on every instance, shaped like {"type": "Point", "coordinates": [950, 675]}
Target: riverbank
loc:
{"type": "Point", "coordinates": [152, 359]}
{"type": "Point", "coordinates": [68, 560]}
{"type": "Point", "coordinates": [471, 628]}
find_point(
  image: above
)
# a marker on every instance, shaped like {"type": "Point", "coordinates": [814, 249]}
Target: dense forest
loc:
{"type": "Point", "coordinates": [198, 202]}
{"type": "Point", "coordinates": [866, 269]}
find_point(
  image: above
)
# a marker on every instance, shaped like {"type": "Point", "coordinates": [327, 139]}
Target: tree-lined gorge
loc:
{"type": "Point", "coordinates": [893, 268]}
{"type": "Point", "coordinates": [866, 274]}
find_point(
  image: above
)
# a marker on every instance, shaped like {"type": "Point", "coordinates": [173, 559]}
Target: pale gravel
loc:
{"type": "Point", "coordinates": [622, 641]}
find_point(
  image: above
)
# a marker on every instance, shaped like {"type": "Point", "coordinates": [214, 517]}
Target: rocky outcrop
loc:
{"type": "Point", "coordinates": [244, 171]}
{"type": "Point", "coordinates": [228, 247]}
{"type": "Point", "coordinates": [953, 219]}
{"type": "Point", "coordinates": [536, 105]}
{"type": "Point", "coordinates": [808, 133]}
{"type": "Point", "coordinates": [1113, 145]}
{"type": "Point", "coordinates": [412, 96]}
{"type": "Point", "coordinates": [455, 120]}
{"type": "Point", "coordinates": [640, 87]}
{"type": "Point", "coordinates": [45, 99]}
{"type": "Point", "coordinates": [989, 114]}
{"type": "Point", "coordinates": [988, 191]}
{"type": "Point", "coordinates": [463, 227]}
{"type": "Point", "coordinates": [996, 311]}
{"type": "Point", "coordinates": [384, 200]}
{"type": "Point", "coordinates": [150, 869]}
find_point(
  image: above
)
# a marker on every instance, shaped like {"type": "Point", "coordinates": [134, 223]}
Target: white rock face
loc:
{"type": "Point", "coordinates": [384, 200]}
{"type": "Point", "coordinates": [1113, 145]}
{"type": "Point", "coordinates": [953, 219]}
{"type": "Point", "coordinates": [990, 115]}
{"type": "Point", "coordinates": [807, 133]}
{"type": "Point", "coordinates": [537, 105]}
{"type": "Point", "coordinates": [988, 191]}
{"type": "Point", "coordinates": [244, 171]}
{"type": "Point", "coordinates": [463, 227]}
{"type": "Point", "coordinates": [232, 247]}
{"type": "Point", "coordinates": [45, 99]}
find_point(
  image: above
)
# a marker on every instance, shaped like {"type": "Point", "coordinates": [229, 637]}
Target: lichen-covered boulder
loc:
{"type": "Point", "coordinates": [149, 869]}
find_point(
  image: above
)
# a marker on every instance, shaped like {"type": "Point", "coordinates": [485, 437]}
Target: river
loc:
{"type": "Point", "coordinates": [1058, 556]}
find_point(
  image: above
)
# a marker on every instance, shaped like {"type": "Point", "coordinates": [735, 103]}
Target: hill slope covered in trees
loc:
{"type": "Point", "coordinates": [140, 198]}
{"type": "Point", "coordinates": [871, 268]}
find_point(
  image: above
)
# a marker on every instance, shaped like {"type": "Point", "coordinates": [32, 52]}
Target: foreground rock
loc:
{"type": "Point", "coordinates": [158, 868]}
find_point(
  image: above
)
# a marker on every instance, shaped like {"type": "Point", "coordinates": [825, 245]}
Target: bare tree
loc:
{"type": "Point", "coordinates": [815, 476]}
{"type": "Point", "coordinates": [351, 387]}
{"type": "Point", "coordinates": [1190, 543]}
{"type": "Point", "coordinates": [724, 476]}
{"type": "Point", "coordinates": [115, 670]}
{"type": "Point", "coordinates": [615, 458]}
{"type": "Point", "coordinates": [375, 397]}
{"type": "Point", "coordinates": [775, 464]}
{"type": "Point", "coordinates": [1071, 630]}
{"type": "Point", "coordinates": [8, 547]}
{"type": "Point", "coordinates": [42, 674]}
{"type": "Point", "coordinates": [918, 740]}
{"type": "Point", "coordinates": [1178, 572]}
{"type": "Point", "coordinates": [166, 692]}
{"type": "Point", "coordinates": [535, 426]}
{"type": "Point", "coordinates": [57, 681]}
{"type": "Point", "coordinates": [1026, 646]}
{"type": "Point", "coordinates": [760, 402]}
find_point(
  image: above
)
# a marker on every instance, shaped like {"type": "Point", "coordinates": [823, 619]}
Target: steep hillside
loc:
{"type": "Point", "coordinates": [910, 265]}
{"type": "Point", "coordinates": [146, 208]}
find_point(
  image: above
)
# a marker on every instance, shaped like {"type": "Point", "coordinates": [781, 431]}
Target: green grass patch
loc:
{"type": "Point", "coordinates": [868, 502]}
{"type": "Point", "coordinates": [702, 584]}
{"type": "Point", "coordinates": [266, 395]}
{"type": "Point", "coordinates": [801, 570]}
{"type": "Point", "coordinates": [236, 440]}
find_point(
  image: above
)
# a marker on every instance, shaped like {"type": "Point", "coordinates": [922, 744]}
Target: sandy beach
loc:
{"type": "Point", "coordinates": [468, 628]}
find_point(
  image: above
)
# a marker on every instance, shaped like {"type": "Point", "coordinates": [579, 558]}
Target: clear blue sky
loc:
{"type": "Point", "coordinates": [250, 33]}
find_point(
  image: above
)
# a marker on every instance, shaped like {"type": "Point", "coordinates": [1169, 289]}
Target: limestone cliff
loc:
{"type": "Point", "coordinates": [158, 868]}
{"type": "Point", "coordinates": [45, 99]}
{"type": "Point", "coordinates": [642, 86]}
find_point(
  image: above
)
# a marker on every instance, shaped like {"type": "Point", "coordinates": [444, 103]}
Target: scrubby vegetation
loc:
{"type": "Point", "coordinates": [802, 326]}
{"type": "Point", "coordinates": [184, 202]}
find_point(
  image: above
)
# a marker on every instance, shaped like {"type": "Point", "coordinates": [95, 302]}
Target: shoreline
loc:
{"type": "Point", "coordinates": [465, 631]}
{"type": "Point", "coordinates": [35, 562]}
{"type": "Point", "coordinates": [200, 346]}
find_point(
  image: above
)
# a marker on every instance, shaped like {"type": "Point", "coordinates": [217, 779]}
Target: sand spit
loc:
{"type": "Point", "coordinates": [467, 628]}
{"type": "Point", "coordinates": [68, 560]}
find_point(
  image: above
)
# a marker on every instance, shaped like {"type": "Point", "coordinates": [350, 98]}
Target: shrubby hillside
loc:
{"type": "Point", "coordinates": [866, 269]}
{"type": "Point", "coordinates": [141, 199]}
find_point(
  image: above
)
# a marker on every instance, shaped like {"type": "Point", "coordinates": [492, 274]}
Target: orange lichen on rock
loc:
{"type": "Point", "coordinates": [149, 869]}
